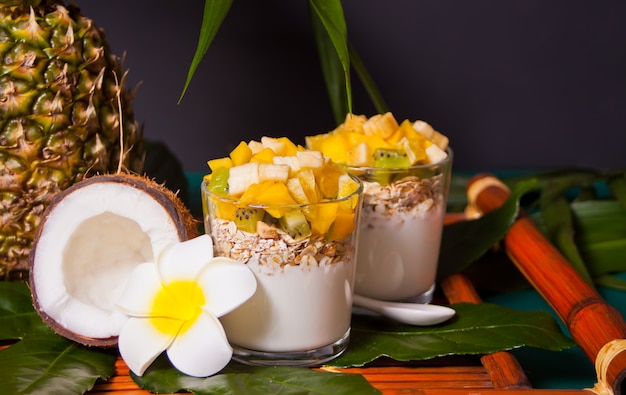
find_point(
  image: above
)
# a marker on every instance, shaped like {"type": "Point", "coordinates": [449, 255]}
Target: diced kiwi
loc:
{"type": "Point", "coordinates": [246, 218]}
{"type": "Point", "coordinates": [391, 158]}
{"type": "Point", "coordinates": [385, 158]}
{"type": "Point", "coordinates": [219, 181]}
{"type": "Point", "coordinates": [294, 223]}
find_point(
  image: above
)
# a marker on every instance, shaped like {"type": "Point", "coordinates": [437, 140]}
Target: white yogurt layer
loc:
{"type": "Point", "coordinates": [399, 239]}
{"type": "Point", "coordinates": [295, 308]}
{"type": "Point", "coordinates": [398, 253]}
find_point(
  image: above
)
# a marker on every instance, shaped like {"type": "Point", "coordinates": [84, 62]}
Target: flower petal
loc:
{"type": "Point", "coordinates": [226, 284]}
{"type": "Point", "coordinates": [201, 350]}
{"type": "Point", "coordinates": [140, 343]}
{"type": "Point", "coordinates": [185, 260]}
{"type": "Point", "coordinates": [142, 287]}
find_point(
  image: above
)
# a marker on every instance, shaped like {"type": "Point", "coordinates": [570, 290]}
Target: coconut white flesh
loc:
{"type": "Point", "coordinates": [88, 246]}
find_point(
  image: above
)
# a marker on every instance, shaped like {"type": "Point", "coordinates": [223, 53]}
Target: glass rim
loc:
{"type": "Point", "coordinates": [446, 161]}
{"type": "Point", "coordinates": [235, 201]}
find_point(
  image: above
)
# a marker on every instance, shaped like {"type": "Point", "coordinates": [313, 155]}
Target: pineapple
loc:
{"type": "Point", "coordinates": [61, 94]}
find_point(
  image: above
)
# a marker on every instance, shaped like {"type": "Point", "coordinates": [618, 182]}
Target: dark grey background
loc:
{"type": "Point", "coordinates": [515, 84]}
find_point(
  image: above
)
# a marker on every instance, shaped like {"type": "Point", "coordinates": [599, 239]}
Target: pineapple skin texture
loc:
{"type": "Point", "coordinates": [60, 94]}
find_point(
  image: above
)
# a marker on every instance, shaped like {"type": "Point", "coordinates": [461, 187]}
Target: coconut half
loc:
{"type": "Point", "coordinates": [89, 240]}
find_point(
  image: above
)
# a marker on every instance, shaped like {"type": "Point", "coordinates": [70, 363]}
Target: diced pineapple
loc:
{"type": "Point", "coordinates": [255, 146]}
{"type": "Point", "coordinates": [273, 172]}
{"type": "Point", "coordinates": [241, 154]}
{"type": "Point", "coordinates": [414, 150]}
{"type": "Point", "coordinates": [220, 162]}
{"type": "Point", "coordinates": [360, 155]}
{"type": "Point", "coordinates": [310, 159]}
{"type": "Point", "coordinates": [314, 142]}
{"type": "Point", "coordinates": [294, 185]}
{"type": "Point", "coordinates": [424, 128]}
{"type": "Point", "coordinates": [354, 123]}
{"type": "Point", "coordinates": [266, 155]}
{"type": "Point", "coordinates": [346, 186]}
{"type": "Point", "coordinates": [441, 140]}
{"type": "Point", "coordinates": [309, 185]}
{"type": "Point", "coordinates": [241, 177]}
{"type": "Point", "coordinates": [327, 179]}
{"type": "Point", "coordinates": [435, 154]}
{"type": "Point", "coordinates": [281, 145]}
{"type": "Point", "coordinates": [381, 125]}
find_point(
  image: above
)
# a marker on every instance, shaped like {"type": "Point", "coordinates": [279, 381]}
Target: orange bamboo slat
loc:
{"type": "Point", "coordinates": [592, 322]}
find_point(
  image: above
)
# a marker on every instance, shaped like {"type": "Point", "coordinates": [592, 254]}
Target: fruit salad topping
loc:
{"type": "Point", "coordinates": [379, 141]}
{"type": "Point", "coordinates": [277, 183]}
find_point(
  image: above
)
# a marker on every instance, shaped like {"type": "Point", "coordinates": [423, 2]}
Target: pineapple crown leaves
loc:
{"type": "Point", "coordinates": [330, 32]}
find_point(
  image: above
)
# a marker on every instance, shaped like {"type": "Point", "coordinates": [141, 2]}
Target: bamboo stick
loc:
{"type": "Point", "coordinates": [592, 322]}
{"type": "Point", "coordinates": [504, 370]}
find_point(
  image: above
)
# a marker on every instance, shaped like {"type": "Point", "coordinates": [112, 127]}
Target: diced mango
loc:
{"type": "Point", "coordinates": [342, 226]}
{"type": "Point", "coordinates": [289, 147]}
{"type": "Point", "coordinates": [220, 162]}
{"type": "Point", "coordinates": [324, 216]}
{"type": "Point", "coordinates": [265, 155]}
{"type": "Point", "coordinates": [335, 147]}
{"type": "Point", "coordinates": [269, 193]}
{"type": "Point", "coordinates": [241, 154]}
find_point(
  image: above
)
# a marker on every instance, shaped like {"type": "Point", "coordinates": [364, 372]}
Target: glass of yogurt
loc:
{"type": "Point", "coordinates": [304, 258]}
{"type": "Point", "coordinates": [400, 231]}
{"type": "Point", "coordinates": [405, 168]}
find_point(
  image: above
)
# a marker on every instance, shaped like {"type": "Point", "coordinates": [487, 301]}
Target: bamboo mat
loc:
{"type": "Point", "coordinates": [492, 374]}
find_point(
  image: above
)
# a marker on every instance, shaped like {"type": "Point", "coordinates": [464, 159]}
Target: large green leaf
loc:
{"type": "Point", "coordinates": [214, 13]}
{"type": "Point", "coordinates": [601, 235]}
{"type": "Point", "coordinates": [43, 362]}
{"type": "Point", "coordinates": [464, 242]}
{"type": "Point", "coordinates": [331, 37]}
{"type": "Point", "coordinates": [475, 329]}
{"type": "Point", "coordinates": [247, 380]}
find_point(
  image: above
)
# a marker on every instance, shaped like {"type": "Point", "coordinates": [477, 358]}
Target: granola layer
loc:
{"type": "Point", "coordinates": [272, 248]}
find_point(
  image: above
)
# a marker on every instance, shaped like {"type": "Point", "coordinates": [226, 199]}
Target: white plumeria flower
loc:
{"type": "Point", "coordinates": [175, 304]}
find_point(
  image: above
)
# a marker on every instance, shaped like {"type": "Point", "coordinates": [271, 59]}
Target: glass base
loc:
{"type": "Point", "coordinates": [424, 298]}
{"type": "Point", "coordinates": [306, 358]}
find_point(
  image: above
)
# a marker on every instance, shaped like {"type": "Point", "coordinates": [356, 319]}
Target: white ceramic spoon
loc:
{"type": "Point", "coordinates": [407, 313]}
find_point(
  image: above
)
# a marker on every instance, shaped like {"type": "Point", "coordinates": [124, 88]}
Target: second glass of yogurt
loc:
{"type": "Point", "coordinates": [405, 169]}
{"type": "Point", "coordinates": [294, 224]}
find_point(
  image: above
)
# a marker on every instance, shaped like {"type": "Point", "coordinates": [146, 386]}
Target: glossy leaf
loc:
{"type": "Point", "coordinates": [330, 32]}
{"type": "Point", "coordinates": [557, 218]}
{"type": "Point", "coordinates": [464, 242]}
{"type": "Point", "coordinates": [214, 13]}
{"type": "Point", "coordinates": [601, 235]}
{"type": "Point", "coordinates": [476, 329]}
{"type": "Point", "coordinates": [43, 362]}
{"type": "Point", "coordinates": [17, 315]}
{"type": "Point", "coordinates": [367, 80]}
{"type": "Point", "coordinates": [248, 380]}
{"type": "Point", "coordinates": [46, 363]}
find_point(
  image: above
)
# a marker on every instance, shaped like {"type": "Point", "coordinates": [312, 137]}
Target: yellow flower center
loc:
{"type": "Point", "coordinates": [177, 306]}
